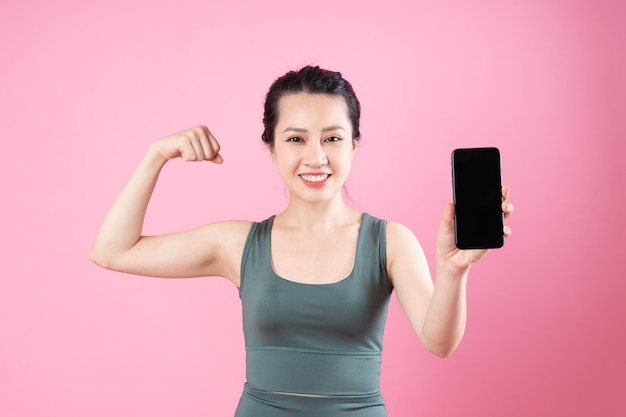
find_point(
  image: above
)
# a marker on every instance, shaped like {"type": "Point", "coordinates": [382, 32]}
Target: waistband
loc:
{"type": "Point", "coordinates": [255, 403]}
{"type": "Point", "coordinates": [315, 372]}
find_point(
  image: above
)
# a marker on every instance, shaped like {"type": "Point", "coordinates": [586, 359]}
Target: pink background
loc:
{"type": "Point", "coordinates": [87, 86]}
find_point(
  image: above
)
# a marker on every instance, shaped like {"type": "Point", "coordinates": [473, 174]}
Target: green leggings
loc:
{"type": "Point", "coordinates": [258, 403]}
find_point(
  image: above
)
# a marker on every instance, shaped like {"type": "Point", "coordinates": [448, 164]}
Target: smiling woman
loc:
{"type": "Point", "coordinates": [314, 146]}
{"type": "Point", "coordinates": [314, 280]}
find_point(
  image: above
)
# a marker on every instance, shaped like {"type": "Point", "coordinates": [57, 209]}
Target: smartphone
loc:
{"type": "Point", "coordinates": [477, 189]}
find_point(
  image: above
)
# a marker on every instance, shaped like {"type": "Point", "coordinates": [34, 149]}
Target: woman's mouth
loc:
{"type": "Point", "coordinates": [315, 180]}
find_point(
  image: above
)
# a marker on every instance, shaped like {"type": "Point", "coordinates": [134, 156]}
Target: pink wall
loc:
{"type": "Point", "coordinates": [86, 87]}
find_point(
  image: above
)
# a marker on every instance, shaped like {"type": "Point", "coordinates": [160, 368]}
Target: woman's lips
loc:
{"type": "Point", "coordinates": [315, 180]}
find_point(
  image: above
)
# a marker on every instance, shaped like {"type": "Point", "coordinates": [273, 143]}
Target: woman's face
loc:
{"type": "Point", "coordinates": [313, 145]}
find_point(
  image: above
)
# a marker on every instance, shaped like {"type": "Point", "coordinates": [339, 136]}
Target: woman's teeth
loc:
{"type": "Point", "coordinates": [314, 178]}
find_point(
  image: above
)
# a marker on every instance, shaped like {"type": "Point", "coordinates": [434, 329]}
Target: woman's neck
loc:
{"type": "Point", "coordinates": [299, 214]}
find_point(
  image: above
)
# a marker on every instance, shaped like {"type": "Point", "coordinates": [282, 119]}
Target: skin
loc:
{"type": "Point", "coordinates": [313, 239]}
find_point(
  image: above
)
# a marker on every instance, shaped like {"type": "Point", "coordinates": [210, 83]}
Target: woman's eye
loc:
{"type": "Point", "coordinates": [294, 139]}
{"type": "Point", "coordinates": [333, 139]}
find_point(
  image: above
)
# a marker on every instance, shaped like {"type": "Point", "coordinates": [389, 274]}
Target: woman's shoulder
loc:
{"type": "Point", "coordinates": [229, 225]}
{"type": "Point", "coordinates": [396, 234]}
{"type": "Point", "coordinates": [226, 233]}
{"type": "Point", "coordinates": [390, 225]}
{"type": "Point", "coordinates": [399, 234]}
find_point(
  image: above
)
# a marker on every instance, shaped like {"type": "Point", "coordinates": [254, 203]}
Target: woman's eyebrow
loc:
{"type": "Point", "coordinates": [303, 130]}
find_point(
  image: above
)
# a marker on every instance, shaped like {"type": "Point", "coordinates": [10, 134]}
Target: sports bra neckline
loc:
{"type": "Point", "coordinates": [312, 284]}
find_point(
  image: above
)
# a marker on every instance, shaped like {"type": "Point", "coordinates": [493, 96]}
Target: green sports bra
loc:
{"type": "Point", "coordinates": [315, 339]}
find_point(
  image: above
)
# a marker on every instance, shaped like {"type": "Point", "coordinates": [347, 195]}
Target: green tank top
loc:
{"type": "Point", "coordinates": [322, 339]}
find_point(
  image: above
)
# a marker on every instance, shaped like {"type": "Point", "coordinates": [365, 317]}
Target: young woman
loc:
{"type": "Point", "coordinates": [314, 280]}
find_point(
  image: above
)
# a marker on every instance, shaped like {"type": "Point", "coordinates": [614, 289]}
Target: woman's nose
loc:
{"type": "Point", "coordinates": [314, 154]}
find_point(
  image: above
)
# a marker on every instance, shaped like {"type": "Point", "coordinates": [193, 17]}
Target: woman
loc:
{"type": "Point", "coordinates": [315, 279]}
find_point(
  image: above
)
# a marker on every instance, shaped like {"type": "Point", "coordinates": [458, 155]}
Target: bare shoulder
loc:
{"type": "Point", "coordinates": [225, 241]}
{"type": "Point", "coordinates": [228, 236]}
{"type": "Point", "coordinates": [230, 230]}
{"type": "Point", "coordinates": [405, 256]}
{"type": "Point", "coordinates": [399, 236]}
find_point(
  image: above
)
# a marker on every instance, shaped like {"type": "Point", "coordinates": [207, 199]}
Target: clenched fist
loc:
{"type": "Point", "coordinates": [195, 144]}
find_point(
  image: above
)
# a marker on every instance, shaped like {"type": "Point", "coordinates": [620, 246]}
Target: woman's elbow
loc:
{"type": "Point", "coordinates": [101, 258]}
{"type": "Point", "coordinates": [442, 351]}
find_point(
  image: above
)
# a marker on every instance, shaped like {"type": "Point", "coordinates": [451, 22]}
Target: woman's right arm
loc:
{"type": "Point", "coordinates": [213, 249]}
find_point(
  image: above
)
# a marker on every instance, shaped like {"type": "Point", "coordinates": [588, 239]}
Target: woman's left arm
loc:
{"type": "Point", "coordinates": [437, 312]}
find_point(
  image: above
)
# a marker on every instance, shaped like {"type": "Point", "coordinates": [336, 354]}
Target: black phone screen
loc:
{"type": "Point", "coordinates": [477, 189]}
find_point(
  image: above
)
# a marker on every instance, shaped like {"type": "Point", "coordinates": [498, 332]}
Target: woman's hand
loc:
{"type": "Point", "coordinates": [446, 248]}
{"type": "Point", "coordinates": [195, 144]}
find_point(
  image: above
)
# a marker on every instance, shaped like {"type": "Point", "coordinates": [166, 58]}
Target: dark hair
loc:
{"type": "Point", "coordinates": [313, 80]}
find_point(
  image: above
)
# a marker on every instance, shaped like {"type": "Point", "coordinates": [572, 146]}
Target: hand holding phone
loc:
{"type": "Point", "coordinates": [477, 189]}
